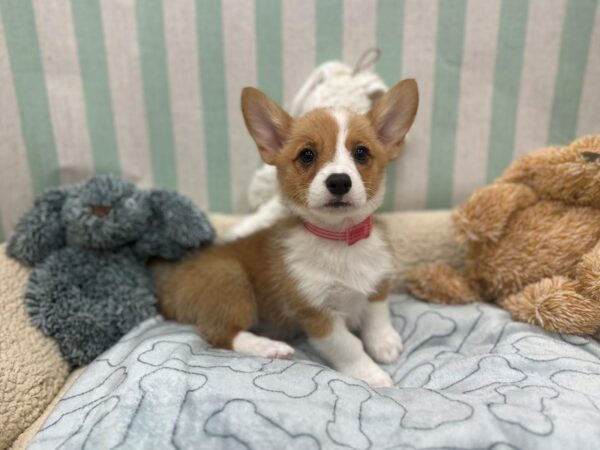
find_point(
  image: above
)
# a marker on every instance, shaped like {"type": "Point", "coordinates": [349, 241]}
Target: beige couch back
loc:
{"type": "Point", "coordinates": [150, 89]}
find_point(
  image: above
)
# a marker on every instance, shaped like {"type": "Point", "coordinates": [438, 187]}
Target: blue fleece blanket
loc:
{"type": "Point", "coordinates": [469, 378]}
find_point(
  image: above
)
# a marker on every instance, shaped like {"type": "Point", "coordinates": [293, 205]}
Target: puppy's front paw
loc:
{"type": "Point", "coordinates": [383, 345]}
{"type": "Point", "coordinates": [365, 369]}
{"type": "Point", "coordinates": [372, 374]}
{"type": "Point", "coordinates": [379, 378]}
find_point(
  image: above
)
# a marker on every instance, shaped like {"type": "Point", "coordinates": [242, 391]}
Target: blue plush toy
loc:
{"type": "Point", "coordinates": [89, 244]}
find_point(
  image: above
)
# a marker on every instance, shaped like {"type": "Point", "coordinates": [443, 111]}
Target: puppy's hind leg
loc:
{"type": "Point", "coordinates": [215, 294]}
{"type": "Point", "coordinates": [251, 344]}
{"type": "Point", "coordinates": [237, 314]}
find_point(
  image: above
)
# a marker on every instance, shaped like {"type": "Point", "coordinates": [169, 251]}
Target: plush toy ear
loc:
{"type": "Point", "coordinates": [267, 123]}
{"type": "Point", "coordinates": [41, 230]}
{"type": "Point", "coordinates": [176, 227]}
{"type": "Point", "coordinates": [317, 77]}
{"type": "Point", "coordinates": [393, 114]}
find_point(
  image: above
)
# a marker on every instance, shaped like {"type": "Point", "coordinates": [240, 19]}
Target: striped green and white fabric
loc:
{"type": "Point", "coordinates": [150, 89]}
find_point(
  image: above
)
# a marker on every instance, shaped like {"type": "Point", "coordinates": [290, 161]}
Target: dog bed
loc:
{"type": "Point", "coordinates": [468, 378]}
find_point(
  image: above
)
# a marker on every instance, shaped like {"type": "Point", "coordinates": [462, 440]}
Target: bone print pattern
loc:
{"type": "Point", "coordinates": [469, 378]}
{"type": "Point", "coordinates": [240, 421]}
{"type": "Point", "coordinates": [517, 407]}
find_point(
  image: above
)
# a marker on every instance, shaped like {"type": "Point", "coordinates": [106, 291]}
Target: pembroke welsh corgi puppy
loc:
{"type": "Point", "coordinates": [323, 270]}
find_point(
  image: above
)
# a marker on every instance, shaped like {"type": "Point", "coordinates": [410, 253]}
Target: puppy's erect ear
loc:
{"type": "Point", "coordinates": [393, 114]}
{"type": "Point", "coordinates": [267, 123]}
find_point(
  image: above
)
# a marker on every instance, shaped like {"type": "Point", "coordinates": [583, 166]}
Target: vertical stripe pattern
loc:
{"type": "Point", "coordinates": [329, 18]}
{"type": "Point", "coordinates": [298, 45]}
{"type": "Point", "coordinates": [65, 91]}
{"type": "Point", "coordinates": [589, 116]}
{"type": "Point", "coordinates": [212, 77]}
{"type": "Point", "coordinates": [126, 89]}
{"type": "Point", "coordinates": [389, 29]}
{"type": "Point", "coordinates": [21, 39]}
{"type": "Point", "coordinates": [509, 60]}
{"type": "Point", "coordinates": [150, 88]}
{"type": "Point", "coordinates": [474, 111]}
{"type": "Point", "coordinates": [156, 91]}
{"type": "Point", "coordinates": [186, 98]}
{"type": "Point", "coordinates": [239, 50]}
{"type": "Point", "coordinates": [445, 101]}
{"type": "Point", "coordinates": [540, 63]}
{"type": "Point", "coordinates": [359, 34]}
{"type": "Point", "coordinates": [576, 33]}
{"type": "Point", "coordinates": [269, 66]}
{"type": "Point", "coordinates": [420, 25]}
{"type": "Point", "coordinates": [96, 86]}
{"type": "Point", "coordinates": [16, 188]}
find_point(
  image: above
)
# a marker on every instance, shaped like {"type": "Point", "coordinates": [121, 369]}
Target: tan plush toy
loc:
{"type": "Point", "coordinates": [532, 242]}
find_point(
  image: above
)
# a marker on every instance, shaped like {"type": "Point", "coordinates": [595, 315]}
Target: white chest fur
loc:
{"type": "Point", "coordinates": [334, 275]}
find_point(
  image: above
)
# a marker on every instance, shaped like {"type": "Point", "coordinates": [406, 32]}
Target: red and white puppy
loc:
{"type": "Point", "coordinates": [322, 271]}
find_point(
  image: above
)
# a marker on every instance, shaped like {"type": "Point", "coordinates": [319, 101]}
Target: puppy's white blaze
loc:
{"type": "Point", "coordinates": [342, 162]}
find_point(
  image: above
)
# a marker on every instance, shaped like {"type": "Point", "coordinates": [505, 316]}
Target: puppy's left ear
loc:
{"type": "Point", "coordinates": [267, 123]}
{"type": "Point", "coordinates": [393, 114]}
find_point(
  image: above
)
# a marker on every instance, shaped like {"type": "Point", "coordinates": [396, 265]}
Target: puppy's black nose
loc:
{"type": "Point", "coordinates": [338, 183]}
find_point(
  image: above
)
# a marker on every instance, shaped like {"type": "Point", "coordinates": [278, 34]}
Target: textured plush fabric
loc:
{"type": "Point", "coordinates": [151, 89]}
{"type": "Point", "coordinates": [26, 436]}
{"type": "Point", "coordinates": [88, 244]}
{"type": "Point", "coordinates": [468, 378]}
{"type": "Point", "coordinates": [32, 362]}
{"type": "Point", "coordinates": [531, 241]}
{"type": "Point", "coordinates": [32, 369]}
{"type": "Point", "coordinates": [420, 237]}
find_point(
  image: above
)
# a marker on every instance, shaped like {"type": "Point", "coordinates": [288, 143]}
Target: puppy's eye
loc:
{"type": "Point", "coordinates": [307, 157]}
{"type": "Point", "coordinates": [360, 154]}
{"type": "Point", "coordinates": [590, 156]}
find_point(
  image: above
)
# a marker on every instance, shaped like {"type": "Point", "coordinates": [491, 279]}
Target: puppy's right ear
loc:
{"type": "Point", "coordinates": [267, 123]}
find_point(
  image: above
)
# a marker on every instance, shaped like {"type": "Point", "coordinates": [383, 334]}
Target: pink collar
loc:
{"type": "Point", "coordinates": [351, 235]}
